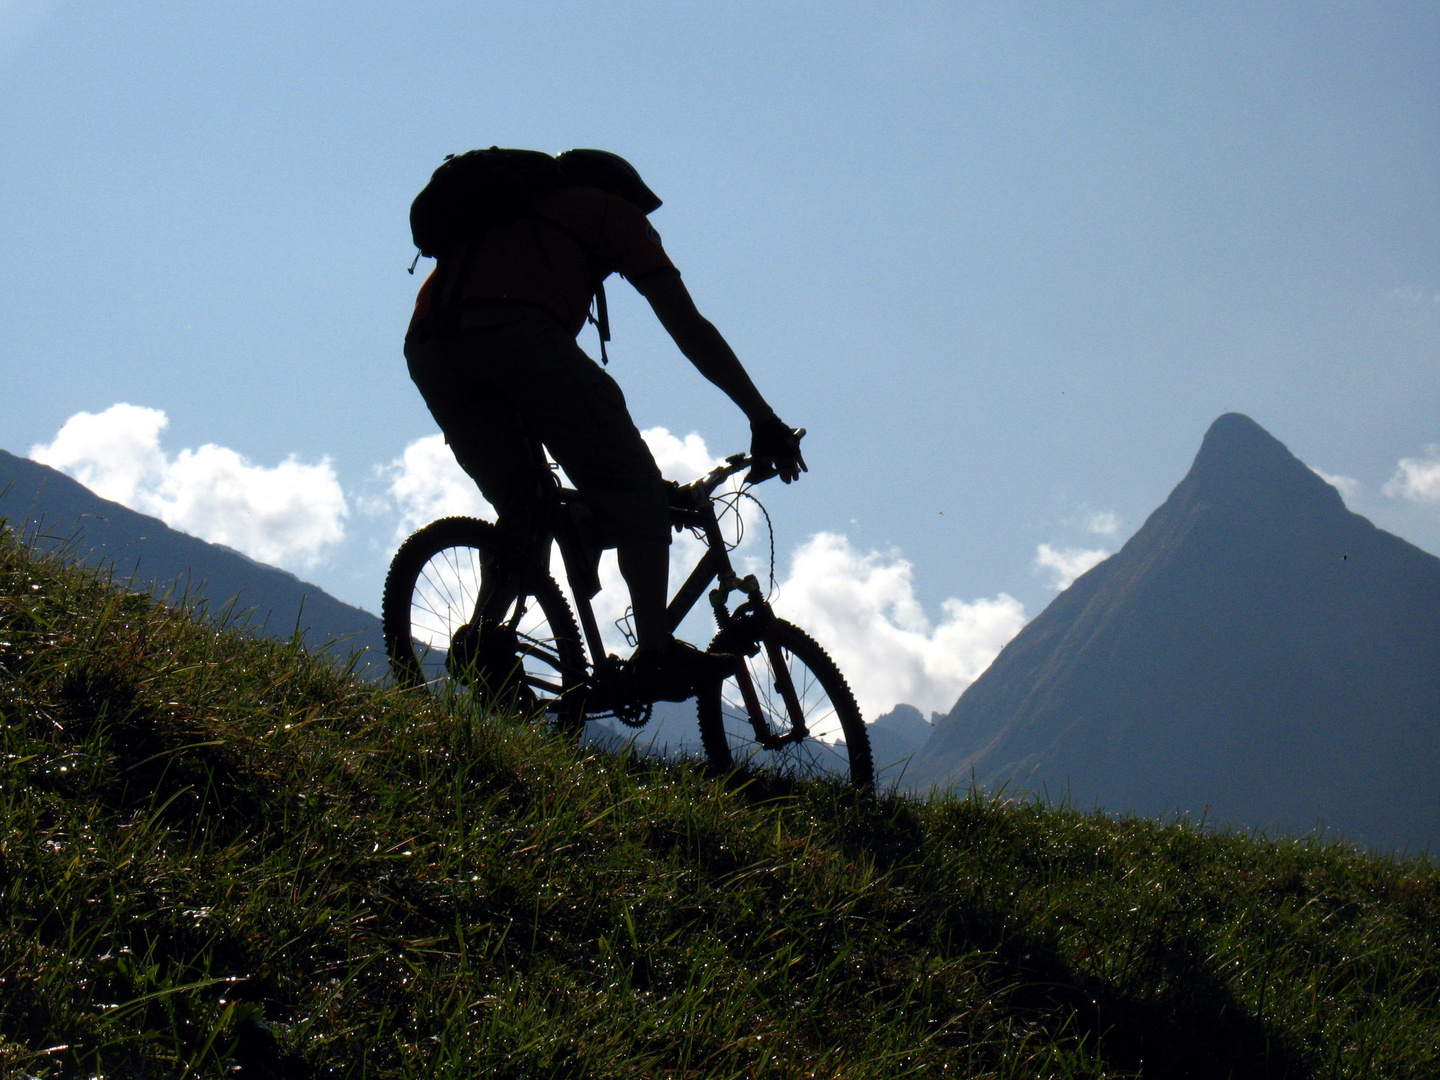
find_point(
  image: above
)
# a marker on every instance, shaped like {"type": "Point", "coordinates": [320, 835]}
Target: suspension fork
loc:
{"type": "Point", "coordinates": [798, 730]}
{"type": "Point", "coordinates": [759, 608]}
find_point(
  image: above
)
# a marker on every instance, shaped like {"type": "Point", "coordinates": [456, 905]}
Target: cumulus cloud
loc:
{"type": "Point", "coordinates": [425, 483]}
{"type": "Point", "coordinates": [679, 459]}
{"type": "Point", "coordinates": [1348, 486]}
{"type": "Point", "coordinates": [1067, 564]}
{"type": "Point", "coordinates": [286, 515]}
{"type": "Point", "coordinates": [1417, 479]}
{"type": "Point", "coordinates": [115, 453]}
{"type": "Point", "coordinates": [861, 607]}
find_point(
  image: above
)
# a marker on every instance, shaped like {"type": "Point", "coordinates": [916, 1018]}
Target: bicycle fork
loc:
{"type": "Point", "coordinates": [757, 606]}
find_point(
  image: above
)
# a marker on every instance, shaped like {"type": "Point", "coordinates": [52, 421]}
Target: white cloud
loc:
{"type": "Point", "coordinates": [426, 482]}
{"type": "Point", "coordinates": [1067, 564]}
{"type": "Point", "coordinates": [1417, 479]}
{"type": "Point", "coordinates": [1348, 486]}
{"type": "Point", "coordinates": [114, 453]}
{"type": "Point", "coordinates": [860, 606]}
{"type": "Point", "coordinates": [862, 609]}
{"type": "Point", "coordinates": [286, 515]}
{"type": "Point", "coordinates": [679, 459]}
{"type": "Point", "coordinates": [1103, 523]}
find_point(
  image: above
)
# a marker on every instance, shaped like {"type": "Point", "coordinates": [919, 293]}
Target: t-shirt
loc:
{"type": "Point", "coordinates": [556, 258]}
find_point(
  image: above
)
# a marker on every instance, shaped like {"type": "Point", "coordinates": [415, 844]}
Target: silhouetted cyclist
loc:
{"type": "Point", "coordinates": [492, 348]}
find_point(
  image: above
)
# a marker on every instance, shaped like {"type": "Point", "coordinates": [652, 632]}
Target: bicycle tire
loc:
{"type": "Point", "coordinates": [430, 592]}
{"type": "Point", "coordinates": [838, 745]}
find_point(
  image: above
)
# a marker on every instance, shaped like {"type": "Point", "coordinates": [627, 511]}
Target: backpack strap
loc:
{"type": "Point", "coordinates": [444, 316]}
{"type": "Point", "coordinates": [457, 294]}
{"type": "Point", "coordinates": [601, 319]}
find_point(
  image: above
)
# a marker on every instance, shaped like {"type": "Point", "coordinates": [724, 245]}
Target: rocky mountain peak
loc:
{"type": "Point", "coordinates": [1239, 462]}
{"type": "Point", "coordinates": [1256, 653]}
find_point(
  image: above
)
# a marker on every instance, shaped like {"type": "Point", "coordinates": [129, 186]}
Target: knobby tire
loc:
{"type": "Point", "coordinates": [433, 580]}
{"type": "Point", "coordinates": [829, 707]}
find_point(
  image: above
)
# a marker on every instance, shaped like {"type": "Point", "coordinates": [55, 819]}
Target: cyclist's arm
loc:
{"type": "Point", "coordinates": [701, 343]}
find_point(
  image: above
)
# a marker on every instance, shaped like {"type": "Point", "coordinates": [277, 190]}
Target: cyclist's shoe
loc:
{"type": "Point", "coordinates": [485, 660]}
{"type": "Point", "coordinates": [460, 657]}
{"type": "Point", "coordinates": [677, 672]}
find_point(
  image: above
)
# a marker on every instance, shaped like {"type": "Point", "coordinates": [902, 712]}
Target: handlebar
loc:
{"type": "Point", "coordinates": [699, 491]}
{"type": "Point", "coordinates": [733, 464]}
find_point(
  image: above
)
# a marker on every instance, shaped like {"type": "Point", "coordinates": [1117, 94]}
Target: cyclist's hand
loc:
{"type": "Point", "coordinates": [775, 446]}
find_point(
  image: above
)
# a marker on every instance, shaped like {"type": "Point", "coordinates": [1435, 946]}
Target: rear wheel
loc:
{"type": "Point", "coordinates": [431, 591]}
{"type": "Point", "coordinates": [835, 742]}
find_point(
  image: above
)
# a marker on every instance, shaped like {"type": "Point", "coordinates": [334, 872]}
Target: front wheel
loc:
{"type": "Point", "coordinates": [431, 591]}
{"type": "Point", "coordinates": [835, 742]}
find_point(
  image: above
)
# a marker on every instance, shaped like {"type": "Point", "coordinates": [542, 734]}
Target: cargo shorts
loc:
{"type": "Point", "coordinates": [509, 379]}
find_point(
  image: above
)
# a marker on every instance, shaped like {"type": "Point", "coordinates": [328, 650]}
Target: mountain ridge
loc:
{"type": "Point", "coordinates": [55, 512]}
{"type": "Point", "coordinates": [1253, 643]}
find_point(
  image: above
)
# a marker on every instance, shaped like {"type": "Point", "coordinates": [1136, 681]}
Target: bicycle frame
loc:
{"type": "Point", "coordinates": [693, 506]}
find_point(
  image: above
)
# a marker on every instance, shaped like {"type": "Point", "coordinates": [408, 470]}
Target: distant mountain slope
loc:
{"type": "Point", "coordinates": [53, 510]}
{"type": "Point", "coordinates": [896, 739]}
{"type": "Point", "coordinates": [1256, 652]}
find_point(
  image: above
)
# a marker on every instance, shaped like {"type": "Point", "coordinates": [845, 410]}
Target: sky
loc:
{"type": "Point", "coordinates": [1004, 262]}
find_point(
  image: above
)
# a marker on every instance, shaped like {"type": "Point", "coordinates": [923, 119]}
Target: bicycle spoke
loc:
{"type": "Point", "coordinates": [829, 722]}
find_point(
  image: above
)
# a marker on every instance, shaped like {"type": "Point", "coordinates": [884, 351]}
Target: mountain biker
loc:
{"type": "Point", "coordinates": [506, 377]}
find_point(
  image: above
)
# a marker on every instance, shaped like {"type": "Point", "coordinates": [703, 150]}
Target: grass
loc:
{"type": "Point", "coordinates": [220, 855]}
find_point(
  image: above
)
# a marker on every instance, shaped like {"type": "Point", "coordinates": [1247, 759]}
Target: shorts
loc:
{"type": "Point", "coordinates": [509, 377]}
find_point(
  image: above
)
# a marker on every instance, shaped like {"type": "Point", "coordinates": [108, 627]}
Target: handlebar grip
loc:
{"type": "Point", "coordinates": [760, 473]}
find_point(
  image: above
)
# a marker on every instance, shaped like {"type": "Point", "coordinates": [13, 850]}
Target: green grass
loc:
{"type": "Point", "coordinates": [218, 853]}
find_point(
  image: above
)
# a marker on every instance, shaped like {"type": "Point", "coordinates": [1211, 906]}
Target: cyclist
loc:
{"type": "Point", "coordinates": [507, 374]}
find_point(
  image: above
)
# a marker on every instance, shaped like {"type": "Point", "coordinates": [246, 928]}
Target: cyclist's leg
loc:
{"type": "Point", "coordinates": [478, 415]}
{"type": "Point", "coordinates": [645, 566]}
{"type": "Point", "coordinates": [578, 411]}
{"type": "Point", "coordinates": [585, 424]}
{"type": "Point", "coordinates": [490, 442]}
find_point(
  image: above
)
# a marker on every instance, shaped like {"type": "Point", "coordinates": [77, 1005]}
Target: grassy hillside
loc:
{"type": "Point", "coordinates": [217, 853]}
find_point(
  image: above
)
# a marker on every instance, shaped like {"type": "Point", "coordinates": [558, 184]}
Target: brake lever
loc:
{"type": "Point", "coordinates": [760, 473]}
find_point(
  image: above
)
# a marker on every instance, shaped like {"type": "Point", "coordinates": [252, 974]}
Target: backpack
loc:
{"type": "Point", "coordinates": [468, 193]}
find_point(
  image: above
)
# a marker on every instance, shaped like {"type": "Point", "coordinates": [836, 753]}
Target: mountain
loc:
{"type": "Point", "coordinates": [896, 739]}
{"type": "Point", "coordinates": [55, 512]}
{"type": "Point", "coordinates": [1256, 653]}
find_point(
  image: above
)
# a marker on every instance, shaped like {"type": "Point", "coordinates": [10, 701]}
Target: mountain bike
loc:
{"type": "Point", "coordinates": [787, 708]}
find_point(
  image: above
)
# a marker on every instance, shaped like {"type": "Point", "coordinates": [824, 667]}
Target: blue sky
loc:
{"type": "Point", "coordinates": [1006, 262]}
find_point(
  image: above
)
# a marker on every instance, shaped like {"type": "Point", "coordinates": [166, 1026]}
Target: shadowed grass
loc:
{"type": "Point", "coordinates": [219, 850]}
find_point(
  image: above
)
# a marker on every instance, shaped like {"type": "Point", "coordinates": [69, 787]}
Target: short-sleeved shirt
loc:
{"type": "Point", "coordinates": [556, 257]}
